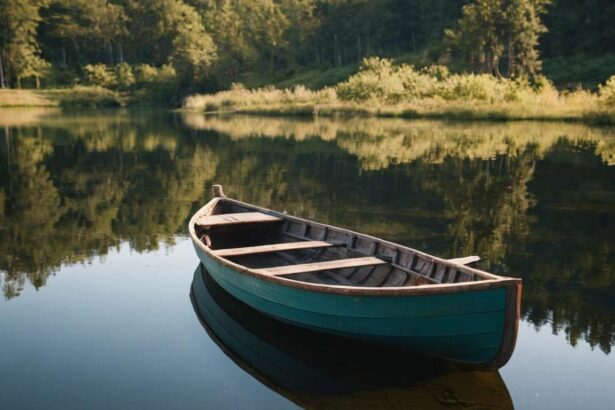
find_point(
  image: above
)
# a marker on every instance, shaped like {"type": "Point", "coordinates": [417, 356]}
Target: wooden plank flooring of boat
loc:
{"type": "Point", "coordinates": [236, 219]}
{"type": "Point", "coordinates": [277, 247]}
{"type": "Point", "coordinates": [318, 266]}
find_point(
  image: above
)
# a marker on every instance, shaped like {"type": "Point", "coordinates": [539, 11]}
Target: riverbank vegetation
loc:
{"type": "Point", "coordinates": [78, 96]}
{"type": "Point", "coordinates": [160, 51]}
{"type": "Point", "coordinates": [384, 89]}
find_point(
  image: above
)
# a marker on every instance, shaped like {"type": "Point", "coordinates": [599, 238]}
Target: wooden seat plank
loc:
{"type": "Point", "coordinates": [236, 219]}
{"type": "Point", "coordinates": [318, 266]}
{"type": "Point", "coordinates": [465, 260]}
{"type": "Point", "coordinates": [276, 247]}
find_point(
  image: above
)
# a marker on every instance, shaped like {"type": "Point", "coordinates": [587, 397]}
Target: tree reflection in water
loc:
{"type": "Point", "coordinates": [535, 200]}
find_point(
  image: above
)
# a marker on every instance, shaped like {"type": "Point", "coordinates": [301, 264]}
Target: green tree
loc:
{"type": "Point", "coordinates": [19, 48]}
{"type": "Point", "coordinates": [479, 36]}
{"type": "Point", "coordinates": [490, 30]}
{"type": "Point", "coordinates": [100, 75]}
{"type": "Point", "coordinates": [124, 76]}
{"type": "Point", "coordinates": [250, 34]}
{"type": "Point", "coordinates": [300, 30]}
{"type": "Point", "coordinates": [524, 30]}
{"type": "Point", "coordinates": [95, 27]}
{"type": "Point", "coordinates": [194, 51]}
{"type": "Point", "coordinates": [105, 24]}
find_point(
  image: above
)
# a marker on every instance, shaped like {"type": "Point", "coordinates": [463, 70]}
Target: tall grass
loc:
{"type": "Point", "coordinates": [88, 97]}
{"type": "Point", "coordinates": [78, 96]}
{"type": "Point", "coordinates": [296, 100]}
{"type": "Point", "coordinates": [25, 98]}
{"type": "Point", "coordinates": [383, 88]}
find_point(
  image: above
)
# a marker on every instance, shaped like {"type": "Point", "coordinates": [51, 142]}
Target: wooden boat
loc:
{"type": "Point", "coordinates": [284, 358]}
{"type": "Point", "coordinates": [341, 282]}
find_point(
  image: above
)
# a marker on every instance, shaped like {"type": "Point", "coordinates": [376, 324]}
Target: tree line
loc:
{"type": "Point", "coordinates": [208, 44]}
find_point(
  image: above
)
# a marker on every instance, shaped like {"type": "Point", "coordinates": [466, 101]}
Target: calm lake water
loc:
{"type": "Point", "coordinates": [103, 305]}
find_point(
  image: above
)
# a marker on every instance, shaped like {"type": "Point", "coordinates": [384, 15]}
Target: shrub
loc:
{"type": "Point", "coordinates": [160, 84]}
{"type": "Point", "coordinates": [94, 96]}
{"type": "Point", "coordinates": [145, 74]}
{"type": "Point", "coordinates": [469, 87]}
{"type": "Point", "coordinates": [607, 91]}
{"type": "Point", "coordinates": [439, 72]}
{"type": "Point", "coordinates": [167, 73]}
{"type": "Point", "coordinates": [376, 79]}
{"type": "Point", "coordinates": [124, 77]}
{"type": "Point", "coordinates": [416, 85]}
{"type": "Point", "coordinates": [379, 79]}
{"type": "Point", "coordinates": [100, 75]}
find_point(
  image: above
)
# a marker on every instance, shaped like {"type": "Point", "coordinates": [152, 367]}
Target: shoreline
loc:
{"type": "Point", "coordinates": [596, 118]}
{"type": "Point", "coordinates": [466, 111]}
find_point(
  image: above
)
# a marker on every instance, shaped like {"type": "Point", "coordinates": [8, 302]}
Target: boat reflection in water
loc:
{"type": "Point", "coordinates": [318, 370]}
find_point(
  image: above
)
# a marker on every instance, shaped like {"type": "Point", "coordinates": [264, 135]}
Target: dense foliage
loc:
{"type": "Point", "coordinates": [380, 79]}
{"type": "Point", "coordinates": [208, 44]}
{"type": "Point", "coordinates": [492, 30]}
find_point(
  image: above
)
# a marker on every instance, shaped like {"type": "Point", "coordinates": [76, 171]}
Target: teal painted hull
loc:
{"type": "Point", "coordinates": [284, 358]}
{"type": "Point", "coordinates": [466, 326]}
{"type": "Point", "coordinates": [246, 335]}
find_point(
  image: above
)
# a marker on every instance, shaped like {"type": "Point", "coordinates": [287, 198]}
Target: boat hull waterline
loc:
{"type": "Point", "coordinates": [469, 322]}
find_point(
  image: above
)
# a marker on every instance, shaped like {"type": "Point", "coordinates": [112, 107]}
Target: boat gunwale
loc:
{"type": "Point", "coordinates": [493, 281]}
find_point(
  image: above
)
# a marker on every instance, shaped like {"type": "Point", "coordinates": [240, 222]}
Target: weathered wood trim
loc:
{"type": "Point", "coordinates": [236, 219]}
{"type": "Point", "coordinates": [275, 247]}
{"type": "Point", "coordinates": [321, 266]}
{"type": "Point", "coordinates": [511, 326]}
{"type": "Point", "coordinates": [465, 260]}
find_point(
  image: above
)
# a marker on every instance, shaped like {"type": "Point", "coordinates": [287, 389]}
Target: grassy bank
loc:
{"type": "Point", "coordinates": [26, 98]}
{"type": "Point", "coordinates": [381, 88]}
{"type": "Point", "coordinates": [75, 97]}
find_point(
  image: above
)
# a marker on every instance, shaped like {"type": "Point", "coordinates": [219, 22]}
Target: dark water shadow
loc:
{"type": "Point", "coordinates": [316, 370]}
